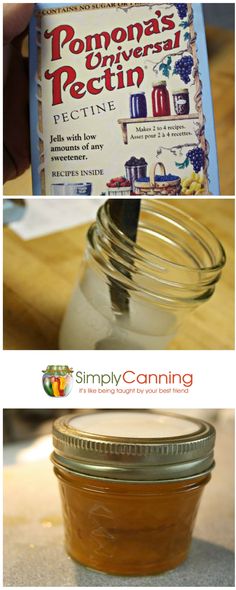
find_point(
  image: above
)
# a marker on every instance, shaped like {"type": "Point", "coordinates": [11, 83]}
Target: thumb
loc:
{"type": "Point", "coordinates": [16, 17]}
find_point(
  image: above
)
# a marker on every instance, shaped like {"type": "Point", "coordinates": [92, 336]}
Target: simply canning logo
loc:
{"type": "Point", "coordinates": [131, 378]}
{"type": "Point", "coordinates": [57, 380]}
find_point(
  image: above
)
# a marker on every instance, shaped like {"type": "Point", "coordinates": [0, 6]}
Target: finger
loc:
{"type": "Point", "coordinates": [16, 17]}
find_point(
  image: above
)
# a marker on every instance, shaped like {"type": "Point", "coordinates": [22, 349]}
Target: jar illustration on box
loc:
{"type": "Point", "coordinates": [181, 101]}
{"type": "Point", "coordinates": [57, 380]}
{"type": "Point", "coordinates": [160, 100]}
{"type": "Point", "coordinates": [138, 105]}
{"type": "Point", "coordinates": [136, 289]}
{"type": "Point", "coordinates": [131, 482]}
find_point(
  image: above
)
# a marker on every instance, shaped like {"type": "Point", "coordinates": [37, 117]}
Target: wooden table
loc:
{"type": "Point", "coordinates": [221, 61]}
{"type": "Point", "coordinates": [39, 276]}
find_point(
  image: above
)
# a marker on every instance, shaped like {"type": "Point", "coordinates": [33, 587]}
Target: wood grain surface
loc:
{"type": "Point", "coordinates": [221, 61]}
{"type": "Point", "coordinates": [39, 276]}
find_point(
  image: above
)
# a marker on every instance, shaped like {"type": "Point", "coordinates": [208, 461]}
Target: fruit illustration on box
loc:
{"type": "Point", "coordinates": [182, 10]}
{"type": "Point", "coordinates": [57, 380]}
{"type": "Point", "coordinates": [119, 186]}
{"type": "Point", "coordinates": [197, 158]}
{"type": "Point", "coordinates": [193, 185]}
{"type": "Point", "coordinates": [135, 168]}
{"type": "Point", "coordinates": [158, 182]}
{"type": "Point", "coordinates": [183, 68]}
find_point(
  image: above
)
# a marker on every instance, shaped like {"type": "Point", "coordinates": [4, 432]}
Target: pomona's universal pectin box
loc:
{"type": "Point", "coordinates": [120, 100]}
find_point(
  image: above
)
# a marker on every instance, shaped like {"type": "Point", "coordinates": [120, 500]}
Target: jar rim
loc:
{"type": "Point", "coordinates": [180, 268]}
{"type": "Point", "coordinates": [134, 458]}
{"type": "Point", "coordinates": [152, 205]}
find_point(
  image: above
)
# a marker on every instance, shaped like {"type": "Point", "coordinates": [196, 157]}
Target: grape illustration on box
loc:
{"type": "Point", "coordinates": [121, 101]}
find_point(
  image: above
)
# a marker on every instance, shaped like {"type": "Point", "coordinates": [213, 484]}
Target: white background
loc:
{"type": "Point", "coordinates": [213, 378]}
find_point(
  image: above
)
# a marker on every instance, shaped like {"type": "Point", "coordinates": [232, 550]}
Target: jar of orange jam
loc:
{"type": "Point", "coordinates": [131, 483]}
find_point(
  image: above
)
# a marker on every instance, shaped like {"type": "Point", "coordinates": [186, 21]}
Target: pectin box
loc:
{"type": "Point", "coordinates": [120, 101]}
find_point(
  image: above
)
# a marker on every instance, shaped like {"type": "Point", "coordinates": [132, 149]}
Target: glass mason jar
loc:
{"type": "Point", "coordinates": [130, 484]}
{"type": "Point", "coordinates": [135, 294]}
{"type": "Point", "coordinates": [160, 100]}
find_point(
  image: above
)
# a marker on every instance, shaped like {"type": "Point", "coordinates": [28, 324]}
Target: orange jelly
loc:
{"type": "Point", "coordinates": [130, 502]}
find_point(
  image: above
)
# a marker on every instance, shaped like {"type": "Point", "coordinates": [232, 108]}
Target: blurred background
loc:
{"type": "Point", "coordinates": [219, 18]}
{"type": "Point", "coordinates": [220, 15]}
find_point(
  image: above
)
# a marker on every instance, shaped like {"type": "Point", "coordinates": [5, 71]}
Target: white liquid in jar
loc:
{"type": "Point", "coordinates": [90, 324]}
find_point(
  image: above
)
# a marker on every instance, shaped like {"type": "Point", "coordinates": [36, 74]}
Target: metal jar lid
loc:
{"type": "Point", "coordinates": [180, 91]}
{"type": "Point", "coordinates": [133, 445]}
{"type": "Point", "coordinates": [58, 370]}
{"type": "Point", "coordinates": [159, 83]}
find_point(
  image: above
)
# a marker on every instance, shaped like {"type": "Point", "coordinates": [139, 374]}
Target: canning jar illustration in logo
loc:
{"type": "Point", "coordinates": [57, 380]}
